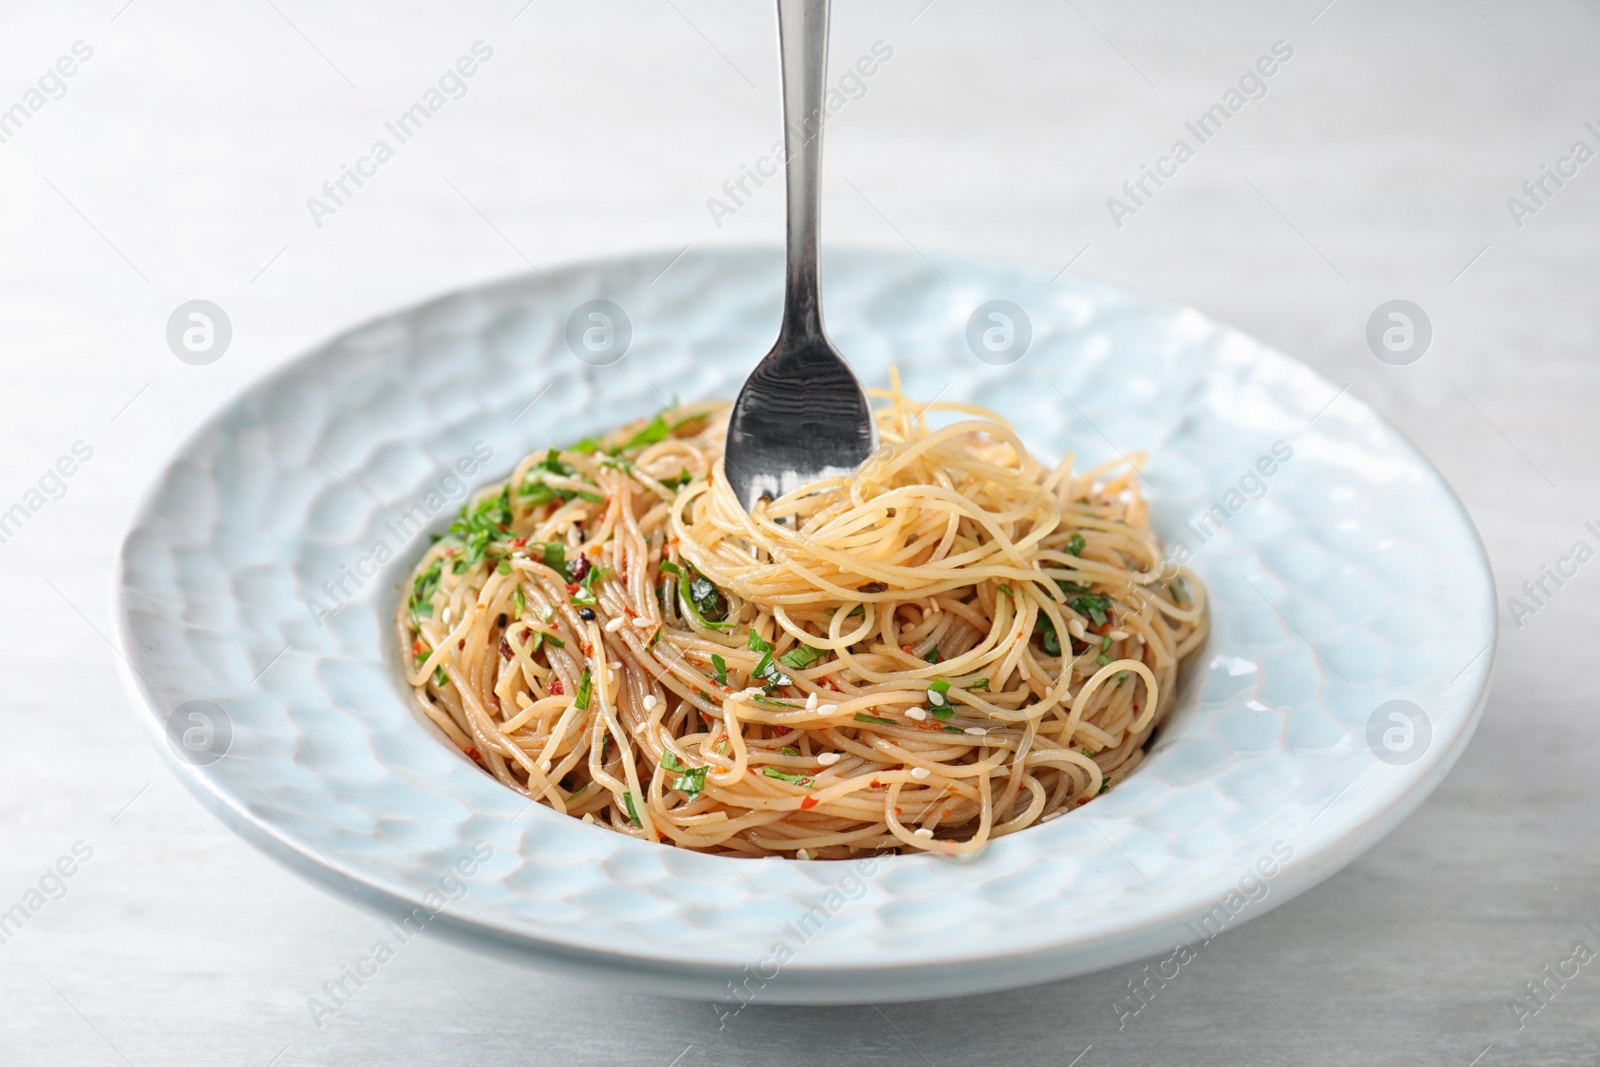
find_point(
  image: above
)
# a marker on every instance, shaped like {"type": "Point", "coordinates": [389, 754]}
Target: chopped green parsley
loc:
{"type": "Point", "coordinates": [801, 656]}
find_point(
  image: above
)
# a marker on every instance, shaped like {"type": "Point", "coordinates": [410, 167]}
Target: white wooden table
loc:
{"type": "Point", "coordinates": [176, 160]}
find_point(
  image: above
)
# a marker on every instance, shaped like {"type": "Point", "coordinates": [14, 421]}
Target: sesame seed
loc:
{"type": "Point", "coordinates": [544, 766]}
{"type": "Point", "coordinates": [802, 854]}
{"type": "Point", "coordinates": [811, 702]}
{"type": "Point", "coordinates": [920, 772]}
{"type": "Point", "coordinates": [650, 702]}
{"type": "Point", "coordinates": [615, 624]}
{"type": "Point", "coordinates": [828, 709]}
{"type": "Point", "coordinates": [1119, 635]}
{"type": "Point", "coordinates": [1075, 627]}
{"type": "Point", "coordinates": [1053, 815]}
{"type": "Point", "coordinates": [589, 818]}
{"type": "Point", "coordinates": [916, 714]}
{"type": "Point", "coordinates": [643, 623]}
{"type": "Point", "coordinates": [828, 759]}
{"type": "Point", "coordinates": [922, 832]}
{"type": "Point", "coordinates": [936, 698]}
{"type": "Point", "coordinates": [976, 731]}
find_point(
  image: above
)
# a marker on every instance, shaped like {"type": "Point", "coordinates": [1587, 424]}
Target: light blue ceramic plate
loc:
{"type": "Point", "coordinates": [1346, 580]}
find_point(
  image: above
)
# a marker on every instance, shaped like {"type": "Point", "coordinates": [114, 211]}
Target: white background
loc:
{"type": "Point", "coordinates": [178, 164]}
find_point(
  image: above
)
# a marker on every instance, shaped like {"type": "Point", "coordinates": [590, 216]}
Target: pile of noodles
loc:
{"type": "Point", "coordinates": [955, 644]}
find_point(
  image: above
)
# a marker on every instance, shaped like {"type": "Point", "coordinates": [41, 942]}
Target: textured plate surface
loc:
{"type": "Point", "coordinates": [1346, 578]}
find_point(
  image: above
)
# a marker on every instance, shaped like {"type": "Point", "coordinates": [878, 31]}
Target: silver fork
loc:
{"type": "Point", "coordinates": [802, 414]}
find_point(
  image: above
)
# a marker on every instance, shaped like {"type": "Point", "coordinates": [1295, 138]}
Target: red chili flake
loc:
{"type": "Point", "coordinates": [556, 687]}
{"type": "Point", "coordinates": [518, 542]}
{"type": "Point", "coordinates": [1083, 800]}
{"type": "Point", "coordinates": [505, 648]}
{"type": "Point", "coordinates": [807, 803]}
{"type": "Point", "coordinates": [1103, 628]}
{"type": "Point", "coordinates": [461, 643]}
{"type": "Point", "coordinates": [416, 647]}
{"type": "Point", "coordinates": [781, 731]}
{"type": "Point", "coordinates": [907, 650]}
{"type": "Point", "coordinates": [875, 784]}
{"type": "Point", "coordinates": [572, 588]}
{"type": "Point", "coordinates": [471, 752]}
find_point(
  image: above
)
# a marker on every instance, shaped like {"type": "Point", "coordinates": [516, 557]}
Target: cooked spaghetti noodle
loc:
{"type": "Point", "coordinates": [952, 645]}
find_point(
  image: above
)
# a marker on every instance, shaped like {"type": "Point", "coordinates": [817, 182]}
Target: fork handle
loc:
{"type": "Point", "coordinates": [803, 46]}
